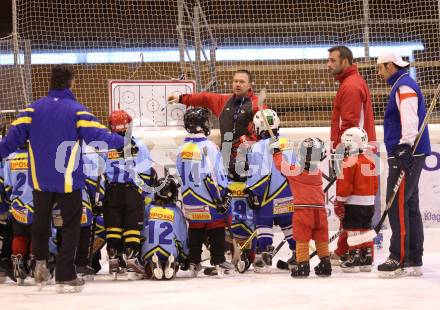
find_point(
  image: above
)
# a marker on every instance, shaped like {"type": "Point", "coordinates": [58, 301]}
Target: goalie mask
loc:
{"type": "Point", "coordinates": [272, 119]}
{"type": "Point", "coordinates": [196, 120]}
{"type": "Point", "coordinates": [169, 191]}
{"type": "Point", "coordinates": [311, 152]}
{"type": "Point", "coordinates": [119, 121]}
{"type": "Point", "coordinates": [354, 140]}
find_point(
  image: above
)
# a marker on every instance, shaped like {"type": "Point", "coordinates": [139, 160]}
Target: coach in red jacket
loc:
{"type": "Point", "coordinates": [352, 105]}
{"type": "Point", "coordinates": [235, 112]}
{"type": "Point", "coordinates": [351, 108]}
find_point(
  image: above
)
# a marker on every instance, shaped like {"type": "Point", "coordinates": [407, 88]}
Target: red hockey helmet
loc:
{"type": "Point", "coordinates": [119, 121]}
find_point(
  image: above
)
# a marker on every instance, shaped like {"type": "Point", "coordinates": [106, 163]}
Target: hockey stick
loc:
{"type": "Point", "coordinates": [371, 234]}
{"type": "Point", "coordinates": [96, 202]}
{"type": "Point", "coordinates": [284, 265]}
{"type": "Point", "coordinates": [237, 250]}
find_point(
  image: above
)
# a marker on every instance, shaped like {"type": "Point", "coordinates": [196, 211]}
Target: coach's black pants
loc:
{"type": "Point", "coordinates": [404, 215]}
{"type": "Point", "coordinates": [70, 205]}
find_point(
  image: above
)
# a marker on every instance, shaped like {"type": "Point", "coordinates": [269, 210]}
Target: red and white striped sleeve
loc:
{"type": "Point", "coordinates": [407, 103]}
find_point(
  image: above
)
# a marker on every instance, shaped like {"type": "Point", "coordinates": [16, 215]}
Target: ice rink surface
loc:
{"type": "Point", "coordinates": [248, 291]}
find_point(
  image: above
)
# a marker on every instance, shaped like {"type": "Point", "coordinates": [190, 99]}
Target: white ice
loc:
{"type": "Point", "coordinates": [248, 291]}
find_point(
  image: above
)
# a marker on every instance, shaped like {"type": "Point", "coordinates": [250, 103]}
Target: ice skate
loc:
{"type": "Point", "coordinates": [366, 260]}
{"type": "Point", "coordinates": [351, 265]}
{"type": "Point", "coordinates": [390, 269]}
{"type": "Point", "coordinates": [72, 286]}
{"type": "Point", "coordinates": [170, 268]}
{"type": "Point", "coordinates": [85, 272]}
{"type": "Point", "coordinates": [337, 260]}
{"type": "Point", "coordinates": [225, 268]}
{"type": "Point", "coordinates": [135, 270]}
{"type": "Point", "coordinates": [324, 268]}
{"type": "Point", "coordinates": [156, 267]}
{"type": "Point", "coordinates": [194, 270]}
{"type": "Point", "coordinates": [41, 274]}
{"type": "Point", "coordinates": [300, 270]}
{"type": "Point", "coordinates": [114, 263]}
{"type": "Point", "coordinates": [20, 269]}
{"type": "Point", "coordinates": [263, 260]}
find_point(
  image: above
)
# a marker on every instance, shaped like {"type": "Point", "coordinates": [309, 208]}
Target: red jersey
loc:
{"type": "Point", "coordinates": [359, 183]}
{"type": "Point", "coordinates": [306, 186]}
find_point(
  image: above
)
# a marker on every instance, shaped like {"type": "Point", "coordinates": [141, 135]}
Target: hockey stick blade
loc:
{"type": "Point", "coordinates": [361, 238]}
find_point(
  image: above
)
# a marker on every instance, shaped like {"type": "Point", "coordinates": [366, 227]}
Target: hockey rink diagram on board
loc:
{"type": "Point", "coordinates": [146, 101]}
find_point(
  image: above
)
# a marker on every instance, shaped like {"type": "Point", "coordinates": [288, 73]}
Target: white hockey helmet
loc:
{"type": "Point", "coordinates": [272, 119]}
{"type": "Point", "coordinates": [354, 139]}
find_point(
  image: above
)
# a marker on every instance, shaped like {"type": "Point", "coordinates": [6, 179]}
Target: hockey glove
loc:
{"type": "Point", "coordinates": [339, 207]}
{"type": "Point", "coordinates": [274, 147]}
{"type": "Point", "coordinates": [98, 208]}
{"type": "Point", "coordinates": [253, 201]}
{"type": "Point", "coordinates": [404, 157]}
{"type": "Point", "coordinates": [224, 206]}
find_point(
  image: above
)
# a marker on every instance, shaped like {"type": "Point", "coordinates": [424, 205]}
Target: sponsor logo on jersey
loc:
{"type": "Point", "coordinates": [283, 205]}
{"type": "Point", "coordinates": [285, 144]}
{"type": "Point", "coordinates": [191, 151]}
{"type": "Point", "coordinates": [20, 162]}
{"type": "Point", "coordinates": [198, 213]}
{"type": "Point", "coordinates": [20, 215]}
{"type": "Point", "coordinates": [84, 216]}
{"type": "Point", "coordinates": [114, 154]}
{"type": "Point", "coordinates": [237, 189]}
{"type": "Point", "coordinates": [164, 214]}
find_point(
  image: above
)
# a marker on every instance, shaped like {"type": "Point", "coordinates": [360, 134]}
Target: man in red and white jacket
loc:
{"type": "Point", "coordinates": [235, 111]}
{"type": "Point", "coordinates": [352, 107]}
{"type": "Point", "coordinates": [355, 192]}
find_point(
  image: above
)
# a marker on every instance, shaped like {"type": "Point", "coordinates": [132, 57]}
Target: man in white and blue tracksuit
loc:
{"type": "Point", "coordinates": [56, 126]}
{"type": "Point", "coordinates": [404, 115]}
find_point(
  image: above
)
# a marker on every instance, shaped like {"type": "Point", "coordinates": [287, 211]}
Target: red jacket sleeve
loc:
{"type": "Point", "coordinates": [345, 185]}
{"type": "Point", "coordinates": [211, 101]}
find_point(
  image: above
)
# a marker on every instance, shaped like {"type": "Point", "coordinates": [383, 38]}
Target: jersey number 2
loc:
{"type": "Point", "coordinates": [167, 229]}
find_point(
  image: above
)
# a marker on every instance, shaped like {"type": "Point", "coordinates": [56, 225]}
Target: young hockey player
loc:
{"type": "Point", "coordinates": [5, 232]}
{"type": "Point", "coordinates": [165, 233]}
{"type": "Point", "coordinates": [127, 185]}
{"type": "Point", "coordinates": [243, 219]}
{"type": "Point", "coordinates": [268, 190]}
{"type": "Point", "coordinates": [310, 217]}
{"type": "Point", "coordinates": [22, 208]}
{"type": "Point", "coordinates": [355, 192]}
{"type": "Point", "coordinates": [204, 194]}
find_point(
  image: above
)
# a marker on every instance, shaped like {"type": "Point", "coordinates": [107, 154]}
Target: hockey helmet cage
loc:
{"type": "Point", "coordinates": [169, 190]}
{"type": "Point", "coordinates": [196, 120]}
{"type": "Point", "coordinates": [355, 140]}
{"type": "Point", "coordinates": [272, 119]}
{"type": "Point", "coordinates": [119, 121]}
{"type": "Point", "coordinates": [311, 152]}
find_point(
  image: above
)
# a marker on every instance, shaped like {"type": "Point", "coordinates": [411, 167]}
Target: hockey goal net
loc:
{"type": "Point", "coordinates": [284, 43]}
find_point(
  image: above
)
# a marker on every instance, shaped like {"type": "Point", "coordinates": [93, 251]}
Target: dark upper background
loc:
{"type": "Point", "coordinates": [5, 17]}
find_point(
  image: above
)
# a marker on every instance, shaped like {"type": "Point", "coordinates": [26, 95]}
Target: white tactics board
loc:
{"type": "Point", "coordinates": [146, 101]}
